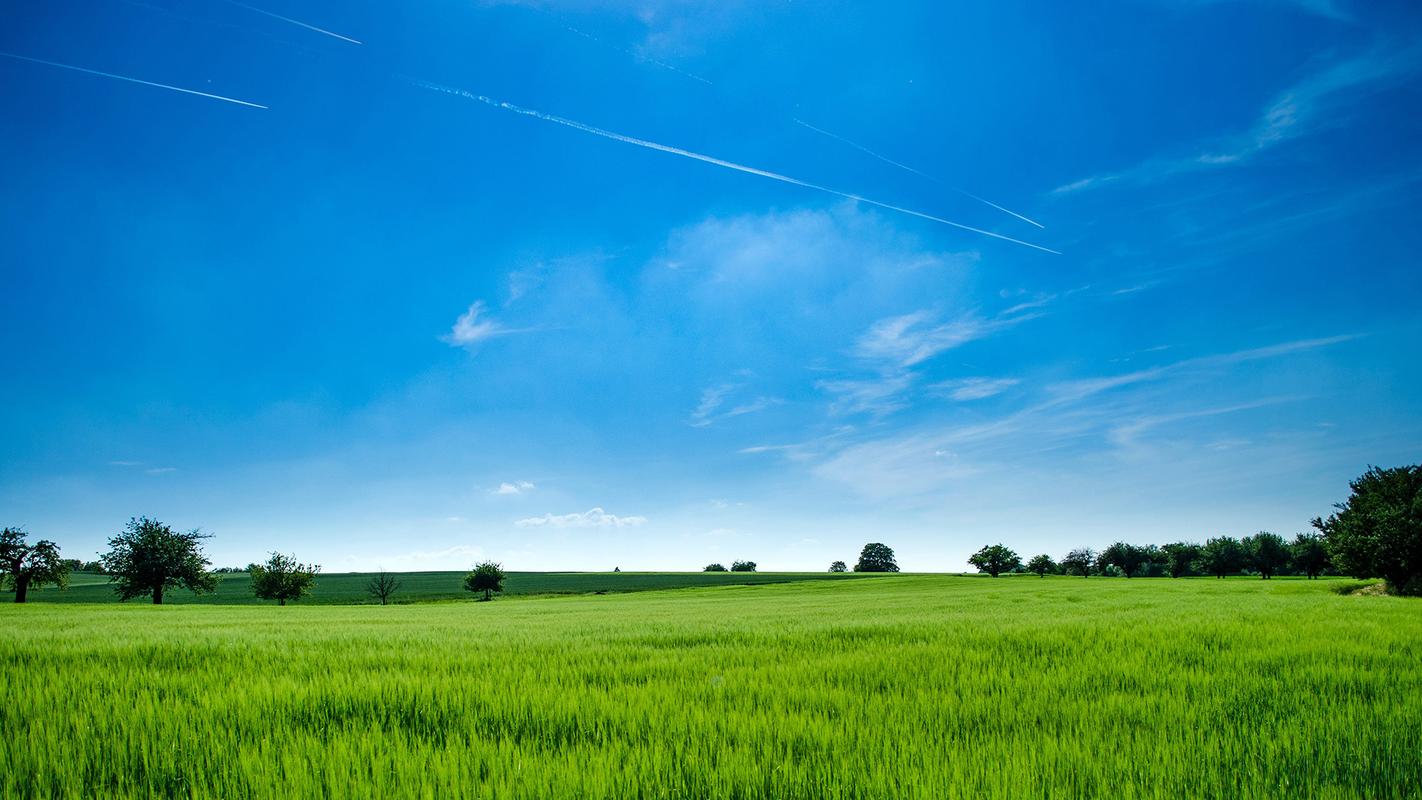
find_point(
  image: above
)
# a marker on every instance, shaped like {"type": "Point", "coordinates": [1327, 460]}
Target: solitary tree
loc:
{"type": "Point", "coordinates": [743, 566]}
{"type": "Point", "coordinates": [1079, 562]}
{"type": "Point", "coordinates": [1222, 555]}
{"type": "Point", "coordinates": [995, 560]}
{"type": "Point", "coordinates": [23, 565]}
{"type": "Point", "coordinates": [838, 566]}
{"type": "Point", "coordinates": [1378, 531]}
{"type": "Point", "coordinates": [150, 557]}
{"type": "Point", "coordinates": [714, 568]}
{"type": "Point", "coordinates": [1267, 552]}
{"type": "Point", "coordinates": [283, 578]}
{"type": "Point", "coordinates": [1128, 557]}
{"type": "Point", "coordinates": [1310, 554]}
{"type": "Point", "coordinates": [382, 585]}
{"type": "Point", "coordinates": [876, 557]}
{"type": "Point", "coordinates": [1181, 558]}
{"type": "Point", "coordinates": [1042, 564]}
{"type": "Point", "coordinates": [487, 577]}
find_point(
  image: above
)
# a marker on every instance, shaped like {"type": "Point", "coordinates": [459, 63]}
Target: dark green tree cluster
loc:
{"type": "Point", "coordinates": [1377, 531]}
{"type": "Point", "coordinates": [283, 578]}
{"type": "Point", "coordinates": [1264, 554]}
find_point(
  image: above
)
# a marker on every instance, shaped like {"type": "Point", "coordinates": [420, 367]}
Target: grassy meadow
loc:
{"type": "Point", "coordinates": [887, 686]}
{"type": "Point", "coordinates": [342, 588]}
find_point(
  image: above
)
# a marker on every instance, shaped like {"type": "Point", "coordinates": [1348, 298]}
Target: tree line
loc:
{"type": "Point", "coordinates": [1375, 533]}
{"type": "Point", "coordinates": [1264, 554]}
{"type": "Point", "coordinates": [149, 558]}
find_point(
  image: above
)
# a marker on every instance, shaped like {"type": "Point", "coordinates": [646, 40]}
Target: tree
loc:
{"type": "Point", "coordinates": [876, 557]}
{"type": "Point", "coordinates": [382, 585]}
{"type": "Point", "coordinates": [1042, 564]}
{"type": "Point", "coordinates": [1222, 555]}
{"type": "Point", "coordinates": [1267, 553]}
{"type": "Point", "coordinates": [1181, 558]}
{"type": "Point", "coordinates": [283, 578]}
{"type": "Point", "coordinates": [1310, 554]}
{"type": "Point", "coordinates": [743, 566]}
{"type": "Point", "coordinates": [150, 557]}
{"type": "Point", "coordinates": [1377, 532]}
{"type": "Point", "coordinates": [839, 566]}
{"type": "Point", "coordinates": [995, 560]}
{"type": "Point", "coordinates": [714, 568]}
{"type": "Point", "coordinates": [23, 565]}
{"type": "Point", "coordinates": [1079, 561]}
{"type": "Point", "coordinates": [487, 577]}
{"type": "Point", "coordinates": [1128, 557]}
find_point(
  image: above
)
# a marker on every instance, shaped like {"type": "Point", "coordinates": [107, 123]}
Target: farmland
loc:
{"type": "Point", "coordinates": [350, 587]}
{"type": "Point", "coordinates": [889, 686]}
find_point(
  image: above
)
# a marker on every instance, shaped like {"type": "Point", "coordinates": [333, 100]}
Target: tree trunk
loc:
{"type": "Point", "coordinates": [281, 601]}
{"type": "Point", "coordinates": [22, 589]}
{"type": "Point", "coordinates": [486, 595]}
{"type": "Point", "coordinates": [158, 595]}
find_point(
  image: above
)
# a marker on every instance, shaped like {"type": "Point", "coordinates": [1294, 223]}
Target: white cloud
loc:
{"type": "Point", "coordinates": [965, 389]}
{"type": "Point", "coordinates": [1312, 104]}
{"type": "Point", "coordinates": [713, 398]}
{"type": "Point", "coordinates": [517, 487]}
{"type": "Point", "coordinates": [592, 518]}
{"type": "Point", "coordinates": [474, 326]}
{"type": "Point", "coordinates": [879, 396]}
{"type": "Point", "coordinates": [912, 338]}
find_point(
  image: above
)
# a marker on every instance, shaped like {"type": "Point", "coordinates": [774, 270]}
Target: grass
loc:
{"type": "Point", "coordinates": [898, 686]}
{"type": "Point", "coordinates": [343, 588]}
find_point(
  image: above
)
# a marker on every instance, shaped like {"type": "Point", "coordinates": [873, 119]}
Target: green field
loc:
{"type": "Point", "coordinates": [343, 588]}
{"type": "Point", "coordinates": [891, 686]}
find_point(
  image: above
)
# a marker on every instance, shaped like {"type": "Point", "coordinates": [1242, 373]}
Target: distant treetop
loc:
{"type": "Point", "coordinates": [876, 557]}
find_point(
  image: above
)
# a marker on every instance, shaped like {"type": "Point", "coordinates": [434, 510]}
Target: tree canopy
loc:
{"type": "Point", "coordinates": [1127, 557]}
{"type": "Point", "coordinates": [743, 566]}
{"type": "Point", "coordinates": [717, 567]}
{"type": "Point", "coordinates": [1377, 531]}
{"type": "Point", "coordinates": [1222, 555]}
{"type": "Point", "coordinates": [1268, 553]}
{"type": "Point", "coordinates": [1079, 561]}
{"type": "Point", "coordinates": [1042, 564]}
{"type": "Point", "coordinates": [838, 566]}
{"type": "Point", "coordinates": [876, 557]}
{"type": "Point", "coordinates": [149, 557]}
{"type": "Point", "coordinates": [1310, 554]}
{"type": "Point", "coordinates": [486, 577]}
{"type": "Point", "coordinates": [23, 565]}
{"type": "Point", "coordinates": [283, 578]}
{"type": "Point", "coordinates": [1181, 558]}
{"type": "Point", "coordinates": [995, 560]}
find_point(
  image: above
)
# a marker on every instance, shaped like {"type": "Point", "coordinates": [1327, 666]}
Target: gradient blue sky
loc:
{"type": "Point", "coordinates": [377, 324]}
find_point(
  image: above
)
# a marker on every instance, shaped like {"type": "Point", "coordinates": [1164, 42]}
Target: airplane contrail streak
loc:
{"type": "Point", "coordinates": [294, 22]}
{"type": "Point", "coordinates": [718, 162]}
{"type": "Point", "coordinates": [890, 161]}
{"type": "Point", "coordinates": [133, 80]}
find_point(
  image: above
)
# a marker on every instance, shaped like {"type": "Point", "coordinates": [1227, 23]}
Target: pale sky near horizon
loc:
{"type": "Point", "coordinates": [579, 284]}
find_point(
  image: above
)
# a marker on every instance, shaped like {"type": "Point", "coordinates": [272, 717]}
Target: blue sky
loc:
{"type": "Point", "coordinates": [380, 323]}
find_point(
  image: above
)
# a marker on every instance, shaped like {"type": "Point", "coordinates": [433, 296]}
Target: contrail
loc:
{"type": "Point", "coordinates": [294, 22]}
{"type": "Point", "coordinates": [133, 80]}
{"type": "Point", "coordinates": [887, 160]}
{"type": "Point", "coordinates": [718, 162]}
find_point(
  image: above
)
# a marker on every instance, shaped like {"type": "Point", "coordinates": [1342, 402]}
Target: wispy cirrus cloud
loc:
{"type": "Point", "coordinates": [592, 518]}
{"type": "Point", "coordinates": [514, 487]}
{"type": "Point", "coordinates": [716, 405]}
{"type": "Point", "coordinates": [967, 389]}
{"type": "Point", "coordinates": [1315, 103]}
{"type": "Point", "coordinates": [475, 326]}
